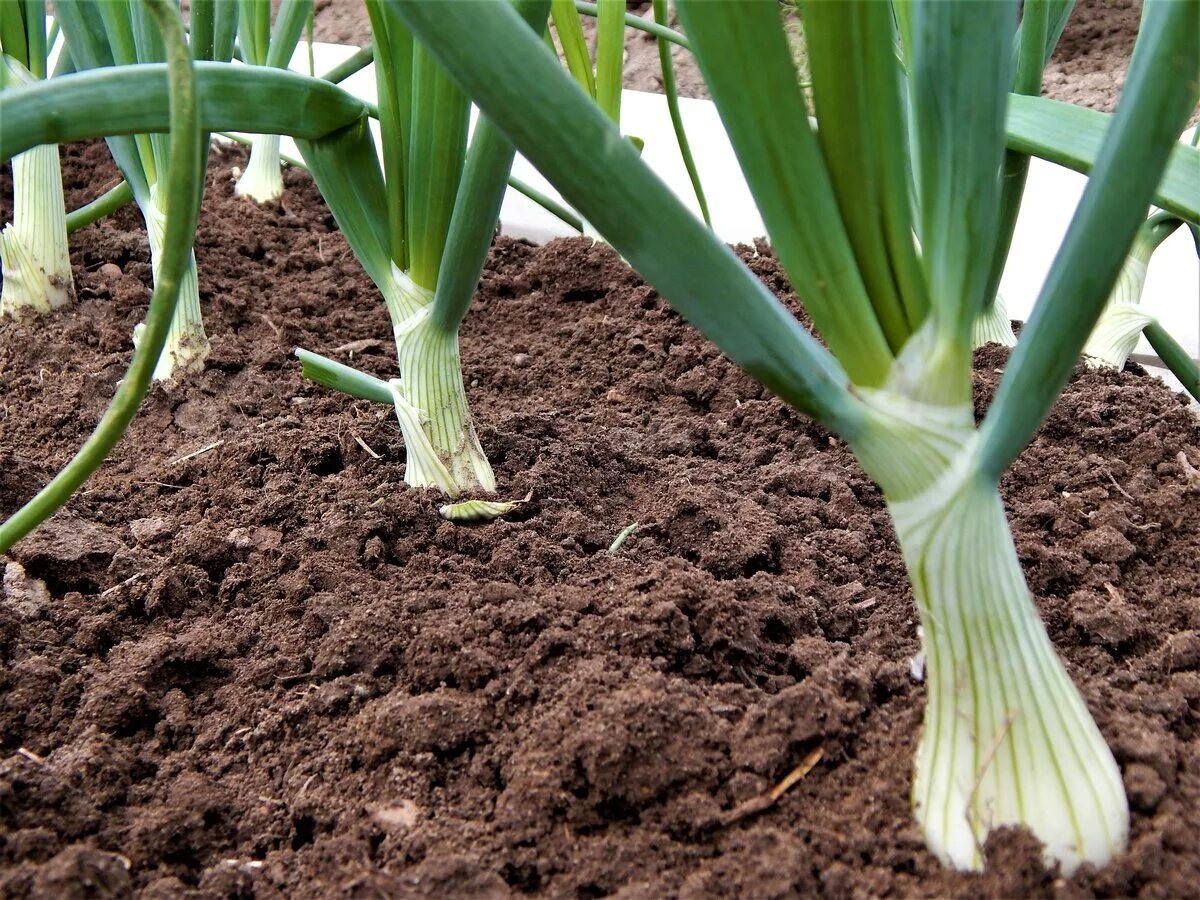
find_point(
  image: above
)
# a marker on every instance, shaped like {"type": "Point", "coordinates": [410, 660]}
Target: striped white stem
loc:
{"type": "Point", "coordinates": [33, 248]}
{"type": "Point", "coordinates": [423, 466]}
{"type": "Point", "coordinates": [993, 326]}
{"type": "Point", "coordinates": [262, 181]}
{"type": "Point", "coordinates": [1122, 322]}
{"type": "Point", "coordinates": [1007, 739]}
{"type": "Point", "coordinates": [442, 446]}
{"type": "Point", "coordinates": [187, 345]}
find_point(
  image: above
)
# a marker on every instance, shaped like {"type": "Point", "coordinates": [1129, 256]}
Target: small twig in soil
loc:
{"type": "Point", "coordinates": [1124, 493]}
{"type": "Point", "coordinates": [275, 328]}
{"type": "Point", "coordinates": [358, 346]}
{"type": "Point", "coordinates": [762, 802]}
{"type": "Point", "coordinates": [371, 453]}
{"type": "Point", "coordinates": [213, 446]}
{"type": "Point", "coordinates": [289, 680]}
{"type": "Point", "coordinates": [116, 587]}
{"type": "Point", "coordinates": [304, 787]}
{"type": "Point", "coordinates": [622, 537]}
{"type": "Point", "coordinates": [30, 755]}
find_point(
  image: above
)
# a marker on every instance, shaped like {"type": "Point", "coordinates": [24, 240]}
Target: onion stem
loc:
{"type": "Point", "coordinates": [1007, 739]}
{"type": "Point", "coordinates": [36, 261]}
{"type": "Point", "coordinates": [1122, 322]}
{"type": "Point", "coordinates": [443, 447]}
{"type": "Point", "coordinates": [262, 180]}
{"type": "Point", "coordinates": [993, 326]}
{"type": "Point", "coordinates": [187, 345]}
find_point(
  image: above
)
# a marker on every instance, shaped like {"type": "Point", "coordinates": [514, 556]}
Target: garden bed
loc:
{"type": "Point", "coordinates": [248, 660]}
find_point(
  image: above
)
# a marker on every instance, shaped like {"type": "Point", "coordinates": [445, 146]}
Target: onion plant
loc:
{"type": "Point", "coordinates": [1041, 25]}
{"type": "Point", "coordinates": [421, 228]}
{"type": "Point", "coordinates": [120, 33]}
{"type": "Point", "coordinates": [174, 97]}
{"type": "Point", "coordinates": [1007, 738]}
{"type": "Point", "coordinates": [1123, 320]}
{"type": "Point", "coordinates": [33, 247]}
{"type": "Point", "coordinates": [179, 187]}
{"type": "Point", "coordinates": [263, 45]}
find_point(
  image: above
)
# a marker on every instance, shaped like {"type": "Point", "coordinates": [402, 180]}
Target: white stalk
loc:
{"type": "Point", "coordinates": [187, 345]}
{"type": "Point", "coordinates": [262, 181]}
{"type": "Point", "coordinates": [33, 248]}
{"type": "Point", "coordinates": [1007, 739]}
{"type": "Point", "coordinates": [993, 326]}
{"type": "Point", "coordinates": [1121, 324]}
{"type": "Point", "coordinates": [431, 403]}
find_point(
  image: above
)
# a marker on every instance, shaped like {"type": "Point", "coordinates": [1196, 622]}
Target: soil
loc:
{"type": "Point", "coordinates": [1088, 67]}
{"type": "Point", "coordinates": [247, 661]}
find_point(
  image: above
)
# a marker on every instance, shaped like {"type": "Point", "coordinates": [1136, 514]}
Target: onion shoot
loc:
{"type": "Point", "coordinates": [118, 33]}
{"type": "Point", "coordinates": [263, 45]}
{"type": "Point", "coordinates": [1007, 738]}
{"type": "Point", "coordinates": [33, 247]}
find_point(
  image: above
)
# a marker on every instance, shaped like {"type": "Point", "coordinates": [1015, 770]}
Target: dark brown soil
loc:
{"type": "Point", "coordinates": [269, 669]}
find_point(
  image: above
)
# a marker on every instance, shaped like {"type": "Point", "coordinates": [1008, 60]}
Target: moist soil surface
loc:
{"type": "Point", "coordinates": [248, 661]}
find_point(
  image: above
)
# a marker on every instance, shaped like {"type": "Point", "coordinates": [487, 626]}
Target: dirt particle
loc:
{"type": "Point", "coordinates": [149, 530]}
{"type": "Point", "coordinates": [1144, 786]}
{"type": "Point", "coordinates": [255, 538]}
{"type": "Point", "coordinates": [396, 816]}
{"type": "Point", "coordinates": [1106, 544]}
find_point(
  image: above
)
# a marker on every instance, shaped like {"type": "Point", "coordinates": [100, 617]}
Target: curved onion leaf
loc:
{"type": "Point", "coordinates": [96, 103]}
{"type": "Point", "coordinates": [1071, 136]}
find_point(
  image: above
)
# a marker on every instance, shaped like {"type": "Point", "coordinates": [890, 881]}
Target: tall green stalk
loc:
{"type": "Point", "coordinates": [667, 66]}
{"type": "Point", "coordinates": [421, 227]}
{"type": "Point", "coordinates": [263, 45]}
{"type": "Point", "coordinates": [33, 247]}
{"type": "Point", "coordinates": [180, 189]}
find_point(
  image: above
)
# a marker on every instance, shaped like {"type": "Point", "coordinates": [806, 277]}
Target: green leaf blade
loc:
{"type": "Point", "coordinates": [437, 149]}
{"type": "Point", "coordinates": [1072, 136]}
{"type": "Point", "coordinates": [747, 65]}
{"type": "Point", "coordinates": [610, 57]}
{"type": "Point", "coordinates": [1160, 91]}
{"type": "Point", "coordinates": [561, 131]}
{"type": "Point", "coordinates": [959, 73]}
{"type": "Point", "coordinates": [856, 91]}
